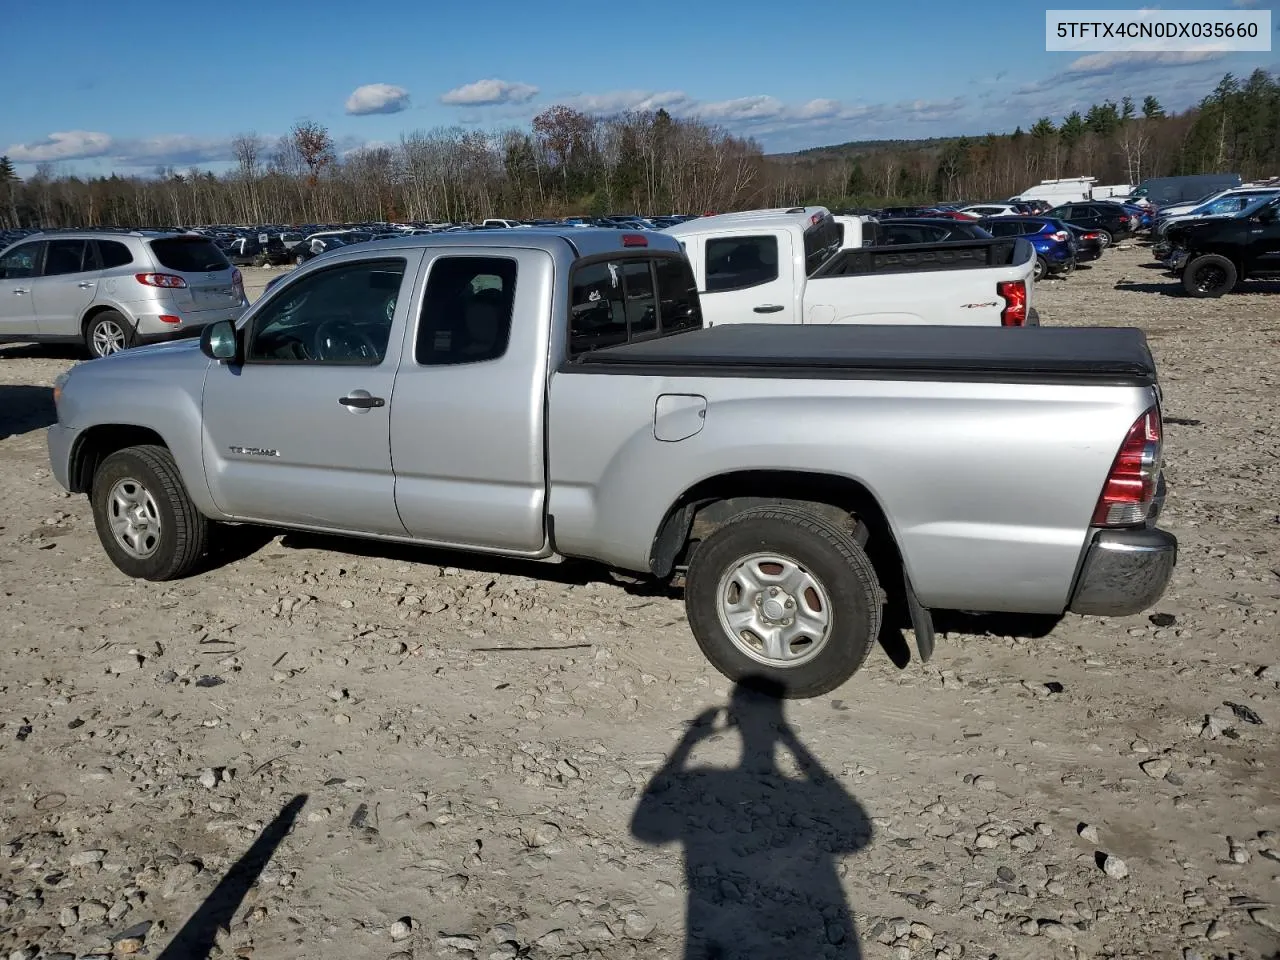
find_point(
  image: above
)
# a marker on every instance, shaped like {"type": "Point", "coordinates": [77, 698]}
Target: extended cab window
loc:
{"type": "Point", "coordinates": [467, 311]}
{"type": "Point", "coordinates": [821, 242]}
{"type": "Point", "coordinates": [736, 263]}
{"type": "Point", "coordinates": [617, 301]}
{"type": "Point", "coordinates": [342, 315]}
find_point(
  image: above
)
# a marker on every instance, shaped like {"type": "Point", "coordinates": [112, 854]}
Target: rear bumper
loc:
{"type": "Point", "coordinates": [1124, 572]}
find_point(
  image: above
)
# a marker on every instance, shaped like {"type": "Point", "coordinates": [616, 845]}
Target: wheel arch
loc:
{"type": "Point", "coordinates": [99, 442]}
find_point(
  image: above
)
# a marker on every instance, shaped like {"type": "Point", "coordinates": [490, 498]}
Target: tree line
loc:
{"type": "Point", "coordinates": [570, 163]}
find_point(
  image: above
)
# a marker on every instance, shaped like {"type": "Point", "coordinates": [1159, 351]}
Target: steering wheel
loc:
{"type": "Point", "coordinates": [342, 340]}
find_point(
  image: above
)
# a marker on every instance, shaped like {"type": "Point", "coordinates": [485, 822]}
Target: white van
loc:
{"type": "Point", "coordinates": [1058, 192]}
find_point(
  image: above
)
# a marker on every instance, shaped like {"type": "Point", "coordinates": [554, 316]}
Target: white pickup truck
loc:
{"type": "Point", "coordinates": [791, 266]}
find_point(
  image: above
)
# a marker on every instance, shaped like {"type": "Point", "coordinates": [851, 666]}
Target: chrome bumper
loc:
{"type": "Point", "coordinates": [1126, 571]}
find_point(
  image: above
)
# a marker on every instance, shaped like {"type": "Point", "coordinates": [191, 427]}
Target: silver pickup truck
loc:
{"type": "Point", "coordinates": [550, 395]}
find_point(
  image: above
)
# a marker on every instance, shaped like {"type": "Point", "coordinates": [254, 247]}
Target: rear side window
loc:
{"type": "Point", "coordinates": [1006, 228]}
{"type": "Point", "coordinates": [65, 256]}
{"type": "Point", "coordinates": [616, 302]}
{"type": "Point", "coordinates": [821, 240]}
{"type": "Point", "coordinates": [737, 263]}
{"type": "Point", "coordinates": [113, 254]}
{"type": "Point", "coordinates": [678, 307]}
{"type": "Point", "coordinates": [189, 254]}
{"type": "Point", "coordinates": [467, 311]}
{"type": "Point", "coordinates": [893, 234]}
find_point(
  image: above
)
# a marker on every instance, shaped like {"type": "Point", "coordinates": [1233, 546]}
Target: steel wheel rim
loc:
{"type": "Point", "coordinates": [774, 610]}
{"type": "Point", "coordinates": [134, 518]}
{"type": "Point", "coordinates": [1039, 270]}
{"type": "Point", "coordinates": [108, 338]}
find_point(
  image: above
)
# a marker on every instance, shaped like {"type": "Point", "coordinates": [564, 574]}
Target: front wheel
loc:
{"type": "Point", "coordinates": [1209, 276]}
{"type": "Point", "coordinates": [784, 596]}
{"type": "Point", "coordinates": [145, 519]}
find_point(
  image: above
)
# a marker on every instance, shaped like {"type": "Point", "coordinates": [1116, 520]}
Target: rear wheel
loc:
{"type": "Point", "coordinates": [299, 259]}
{"type": "Point", "coordinates": [1041, 269]}
{"type": "Point", "coordinates": [107, 333]}
{"type": "Point", "coordinates": [145, 519]}
{"type": "Point", "coordinates": [1209, 276]}
{"type": "Point", "coordinates": [785, 596]}
{"type": "Point", "coordinates": [1105, 238]}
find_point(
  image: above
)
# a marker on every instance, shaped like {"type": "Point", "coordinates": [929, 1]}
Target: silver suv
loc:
{"type": "Point", "coordinates": [114, 289]}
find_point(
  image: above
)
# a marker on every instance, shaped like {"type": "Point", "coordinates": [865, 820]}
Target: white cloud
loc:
{"type": "Point", "coordinates": [624, 101]}
{"type": "Point", "coordinates": [489, 93]}
{"type": "Point", "coordinates": [377, 98]}
{"type": "Point", "coordinates": [1097, 64]}
{"type": "Point", "coordinates": [65, 145]}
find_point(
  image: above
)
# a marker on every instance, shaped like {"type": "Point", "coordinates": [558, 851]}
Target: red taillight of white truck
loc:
{"type": "Point", "coordinates": [1131, 485]}
{"type": "Point", "coordinates": [1014, 294]}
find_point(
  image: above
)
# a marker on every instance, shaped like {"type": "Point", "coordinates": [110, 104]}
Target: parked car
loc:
{"type": "Point", "coordinates": [1212, 257]}
{"type": "Point", "coordinates": [1055, 247]}
{"type": "Point", "coordinates": [1109, 219]}
{"type": "Point", "coordinates": [922, 230]}
{"type": "Point", "coordinates": [983, 210]}
{"type": "Point", "coordinates": [791, 474]}
{"type": "Point", "coordinates": [766, 266]}
{"type": "Point", "coordinates": [251, 252]}
{"type": "Point", "coordinates": [110, 290]}
{"type": "Point", "coordinates": [1088, 243]}
{"type": "Point", "coordinates": [315, 245]}
{"type": "Point", "coordinates": [1219, 205]}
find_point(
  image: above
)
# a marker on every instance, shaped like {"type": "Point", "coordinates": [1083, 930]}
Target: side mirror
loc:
{"type": "Point", "coordinates": [220, 341]}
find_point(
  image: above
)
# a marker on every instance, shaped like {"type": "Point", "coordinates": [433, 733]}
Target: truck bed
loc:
{"type": "Point", "coordinates": [927, 257]}
{"type": "Point", "coordinates": [1085, 355]}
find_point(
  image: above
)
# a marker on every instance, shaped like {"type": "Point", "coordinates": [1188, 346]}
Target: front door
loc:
{"type": "Point", "coordinates": [749, 279]}
{"type": "Point", "coordinates": [18, 268]}
{"type": "Point", "coordinates": [299, 433]}
{"type": "Point", "coordinates": [1264, 242]}
{"type": "Point", "coordinates": [66, 286]}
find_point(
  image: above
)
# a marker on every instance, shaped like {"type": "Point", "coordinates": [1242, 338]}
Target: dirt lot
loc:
{"type": "Point", "coordinates": [325, 749]}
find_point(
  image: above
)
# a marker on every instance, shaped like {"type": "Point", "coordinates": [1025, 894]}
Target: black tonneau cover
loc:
{"type": "Point", "coordinates": [1096, 355]}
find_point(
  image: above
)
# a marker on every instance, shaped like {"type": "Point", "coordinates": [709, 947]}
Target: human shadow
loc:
{"type": "Point", "coordinates": [760, 846]}
{"type": "Point", "coordinates": [25, 408]}
{"type": "Point", "coordinates": [197, 937]}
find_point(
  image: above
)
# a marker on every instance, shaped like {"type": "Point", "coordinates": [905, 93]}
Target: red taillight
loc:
{"type": "Point", "coordinates": [634, 240]}
{"type": "Point", "coordinates": [1092, 236]}
{"type": "Point", "coordinates": [1014, 293]}
{"type": "Point", "coordinates": [167, 280]}
{"type": "Point", "coordinates": [1061, 236]}
{"type": "Point", "coordinates": [1131, 485]}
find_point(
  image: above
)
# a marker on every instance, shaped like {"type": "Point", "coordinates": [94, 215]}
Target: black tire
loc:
{"type": "Point", "coordinates": [829, 556]}
{"type": "Point", "coordinates": [1209, 275]}
{"type": "Point", "coordinates": [107, 333]}
{"type": "Point", "coordinates": [299, 259]}
{"type": "Point", "coordinates": [1106, 238]}
{"type": "Point", "coordinates": [183, 531]}
{"type": "Point", "coordinates": [1041, 270]}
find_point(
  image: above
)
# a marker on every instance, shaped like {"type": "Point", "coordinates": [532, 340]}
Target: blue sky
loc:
{"type": "Point", "coordinates": [130, 85]}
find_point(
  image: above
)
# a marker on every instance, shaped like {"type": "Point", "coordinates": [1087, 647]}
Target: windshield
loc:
{"type": "Point", "coordinates": [189, 254]}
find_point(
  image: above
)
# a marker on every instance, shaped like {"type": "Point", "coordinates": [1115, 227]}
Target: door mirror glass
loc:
{"type": "Point", "coordinates": [219, 341]}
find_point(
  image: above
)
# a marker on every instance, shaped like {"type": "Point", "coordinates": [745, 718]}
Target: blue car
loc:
{"type": "Point", "coordinates": [1144, 214]}
{"type": "Point", "coordinates": [1055, 244]}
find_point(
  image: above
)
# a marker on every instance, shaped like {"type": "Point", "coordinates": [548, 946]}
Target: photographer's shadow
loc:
{"type": "Point", "coordinates": [760, 847]}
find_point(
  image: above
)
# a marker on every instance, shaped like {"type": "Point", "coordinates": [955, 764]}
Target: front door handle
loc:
{"type": "Point", "coordinates": [19, 291]}
{"type": "Point", "coordinates": [84, 285]}
{"type": "Point", "coordinates": [769, 308]}
{"type": "Point", "coordinates": [362, 403]}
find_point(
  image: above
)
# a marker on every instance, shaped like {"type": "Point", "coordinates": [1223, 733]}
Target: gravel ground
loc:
{"type": "Point", "coordinates": [328, 749]}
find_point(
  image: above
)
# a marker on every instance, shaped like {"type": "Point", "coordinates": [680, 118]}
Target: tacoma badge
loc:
{"type": "Point", "coordinates": [254, 451]}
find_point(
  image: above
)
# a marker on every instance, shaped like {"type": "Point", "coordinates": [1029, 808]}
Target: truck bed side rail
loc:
{"type": "Point", "coordinates": [924, 257]}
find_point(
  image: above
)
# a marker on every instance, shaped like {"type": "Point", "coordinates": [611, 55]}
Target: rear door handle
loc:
{"type": "Point", "coordinates": [362, 403]}
{"type": "Point", "coordinates": [769, 308]}
{"type": "Point", "coordinates": [84, 284]}
{"type": "Point", "coordinates": [19, 291]}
